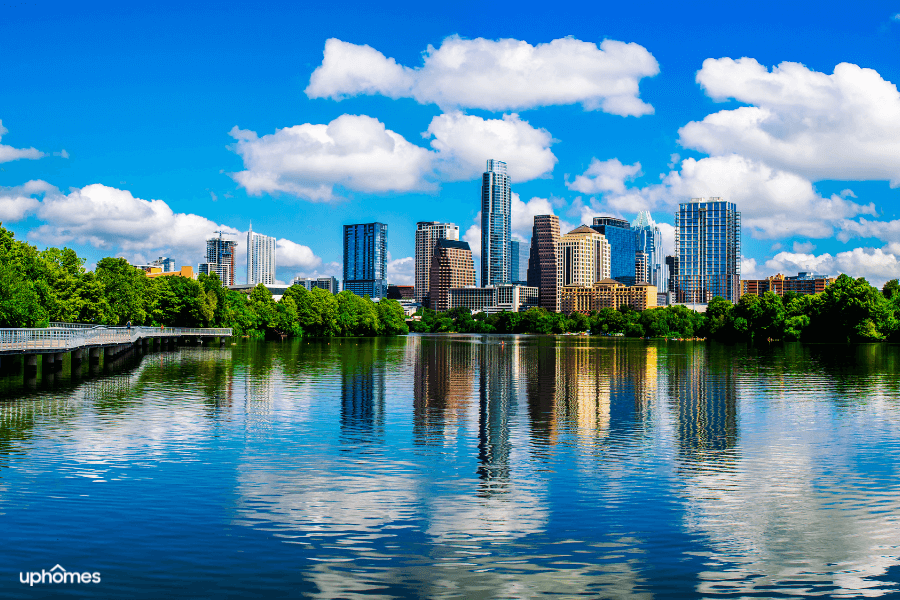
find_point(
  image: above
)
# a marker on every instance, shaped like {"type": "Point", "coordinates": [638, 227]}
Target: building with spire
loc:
{"type": "Point", "coordinates": [649, 243]}
{"type": "Point", "coordinates": [260, 258]}
{"type": "Point", "coordinates": [496, 218]}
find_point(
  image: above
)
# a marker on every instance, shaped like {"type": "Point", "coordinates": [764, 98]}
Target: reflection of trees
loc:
{"type": "Point", "coordinates": [362, 390]}
{"type": "Point", "coordinates": [442, 387]}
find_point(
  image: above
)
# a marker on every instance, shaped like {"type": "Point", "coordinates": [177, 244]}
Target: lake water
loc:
{"type": "Point", "coordinates": [459, 466]}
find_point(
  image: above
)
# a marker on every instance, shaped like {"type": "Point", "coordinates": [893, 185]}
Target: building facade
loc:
{"type": "Point", "coordinates": [427, 235]}
{"type": "Point", "coordinates": [451, 267]}
{"type": "Point", "coordinates": [401, 292]}
{"type": "Point", "coordinates": [542, 268]}
{"type": "Point", "coordinates": [220, 258]}
{"type": "Point", "coordinates": [803, 283]}
{"type": "Point", "coordinates": [583, 258]}
{"type": "Point", "coordinates": [649, 241]}
{"type": "Point", "coordinates": [260, 258]}
{"type": "Point", "coordinates": [496, 209]}
{"type": "Point", "coordinates": [495, 298]}
{"type": "Point", "coordinates": [607, 293]}
{"type": "Point", "coordinates": [708, 247]}
{"type": "Point", "coordinates": [623, 245]}
{"type": "Point", "coordinates": [166, 264]}
{"type": "Point", "coordinates": [365, 259]}
{"type": "Point", "coordinates": [672, 268]}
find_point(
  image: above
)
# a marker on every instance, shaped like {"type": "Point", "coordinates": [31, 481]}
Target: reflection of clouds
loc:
{"type": "Point", "coordinates": [516, 513]}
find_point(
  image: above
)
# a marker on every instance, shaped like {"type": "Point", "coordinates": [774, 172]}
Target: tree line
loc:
{"type": "Point", "coordinates": [37, 287]}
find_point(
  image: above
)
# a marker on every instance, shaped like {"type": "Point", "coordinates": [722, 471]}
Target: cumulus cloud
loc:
{"type": "Point", "coordinates": [356, 152]}
{"type": "Point", "coordinates": [804, 247]}
{"type": "Point", "coordinates": [465, 142]}
{"type": "Point", "coordinates": [875, 264]}
{"type": "Point", "coordinates": [292, 254]}
{"type": "Point", "coordinates": [18, 202]}
{"type": "Point", "coordinates": [473, 236]}
{"type": "Point", "coordinates": [8, 153]}
{"type": "Point", "coordinates": [605, 176]}
{"type": "Point", "coordinates": [840, 126]}
{"type": "Point", "coordinates": [402, 271]}
{"type": "Point", "coordinates": [495, 75]}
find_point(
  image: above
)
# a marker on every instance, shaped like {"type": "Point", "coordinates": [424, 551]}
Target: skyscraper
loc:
{"type": "Point", "coordinates": [542, 268]}
{"type": "Point", "coordinates": [220, 258]}
{"type": "Point", "coordinates": [623, 243]}
{"type": "Point", "coordinates": [451, 267]}
{"type": "Point", "coordinates": [365, 259]}
{"type": "Point", "coordinates": [672, 268]}
{"type": "Point", "coordinates": [260, 258]}
{"type": "Point", "coordinates": [427, 235]}
{"type": "Point", "coordinates": [496, 207]}
{"type": "Point", "coordinates": [584, 257]}
{"type": "Point", "coordinates": [649, 242]}
{"type": "Point", "coordinates": [708, 250]}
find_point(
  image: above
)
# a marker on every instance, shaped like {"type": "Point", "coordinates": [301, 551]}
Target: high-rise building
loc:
{"type": "Point", "coordinates": [166, 264]}
{"type": "Point", "coordinates": [220, 258]}
{"type": "Point", "coordinates": [672, 268]}
{"type": "Point", "coordinates": [584, 258]}
{"type": "Point", "coordinates": [496, 208]}
{"type": "Point", "coordinates": [708, 247]}
{"type": "Point", "coordinates": [623, 244]}
{"type": "Point", "coordinates": [649, 241]}
{"type": "Point", "coordinates": [542, 267]}
{"type": "Point", "coordinates": [642, 267]}
{"type": "Point", "coordinates": [451, 267]}
{"type": "Point", "coordinates": [427, 235]}
{"type": "Point", "coordinates": [260, 258]}
{"type": "Point", "coordinates": [518, 262]}
{"type": "Point", "coordinates": [365, 259]}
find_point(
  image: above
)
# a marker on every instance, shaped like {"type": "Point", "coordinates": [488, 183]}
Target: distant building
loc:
{"type": "Point", "coordinates": [402, 292]}
{"type": "Point", "coordinates": [623, 245]}
{"type": "Point", "coordinates": [607, 293]}
{"type": "Point", "coordinates": [803, 283]}
{"type": "Point", "coordinates": [220, 258]}
{"type": "Point", "coordinates": [518, 262]}
{"type": "Point", "coordinates": [672, 268]}
{"type": "Point", "coordinates": [365, 259]}
{"type": "Point", "coordinates": [496, 217]}
{"type": "Point", "coordinates": [183, 272]}
{"type": "Point", "coordinates": [542, 264]}
{"type": "Point", "coordinates": [166, 264]}
{"type": "Point", "coordinates": [642, 267]}
{"type": "Point", "coordinates": [451, 267]}
{"type": "Point", "coordinates": [494, 299]}
{"type": "Point", "coordinates": [427, 235]}
{"type": "Point", "coordinates": [329, 284]}
{"type": "Point", "coordinates": [708, 247]}
{"type": "Point", "coordinates": [584, 257]}
{"type": "Point", "coordinates": [277, 291]}
{"type": "Point", "coordinates": [260, 258]}
{"type": "Point", "coordinates": [648, 238]}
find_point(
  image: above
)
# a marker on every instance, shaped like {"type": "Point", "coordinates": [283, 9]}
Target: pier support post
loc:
{"type": "Point", "coordinates": [30, 363]}
{"type": "Point", "coordinates": [48, 363]}
{"type": "Point", "coordinates": [94, 356]}
{"type": "Point", "coordinates": [58, 360]}
{"type": "Point", "coordinates": [76, 362]}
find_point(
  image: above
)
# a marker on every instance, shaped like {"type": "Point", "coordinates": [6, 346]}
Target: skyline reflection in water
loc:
{"type": "Point", "coordinates": [462, 466]}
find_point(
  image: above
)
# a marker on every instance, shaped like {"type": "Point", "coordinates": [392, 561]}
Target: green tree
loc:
{"type": "Point", "coordinates": [125, 289]}
{"type": "Point", "coordinates": [392, 317]}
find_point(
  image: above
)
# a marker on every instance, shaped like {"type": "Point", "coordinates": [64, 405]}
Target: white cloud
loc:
{"type": "Point", "coordinates": [473, 236]}
{"type": "Point", "coordinates": [292, 254]}
{"type": "Point", "coordinates": [875, 264]}
{"type": "Point", "coordinates": [523, 213]}
{"type": "Point", "coordinates": [354, 151]}
{"type": "Point", "coordinates": [402, 271]}
{"type": "Point", "coordinates": [883, 230]}
{"type": "Point", "coordinates": [843, 126]}
{"type": "Point", "coordinates": [8, 153]}
{"type": "Point", "coordinates": [804, 247]}
{"type": "Point", "coordinates": [18, 202]}
{"type": "Point", "coordinates": [605, 176]}
{"type": "Point", "coordinates": [896, 17]}
{"type": "Point", "coordinates": [667, 232]}
{"type": "Point", "coordinates": [495, 75]}
{"type": "Point", "coordinates": [465, 142]}
{"type": "Point", "coordinates": [749, 268]}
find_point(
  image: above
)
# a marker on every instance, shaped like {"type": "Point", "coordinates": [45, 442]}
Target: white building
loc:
{"type": "Point", "coordinates": [494, 298]}
{"type": "Point", "coordinates": [260, 258]}
{"type": "Point", "coordinates": [427, 235]}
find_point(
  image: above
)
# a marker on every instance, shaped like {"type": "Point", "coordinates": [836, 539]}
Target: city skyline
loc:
{"type": "Point", "coordinates": [348, 122]}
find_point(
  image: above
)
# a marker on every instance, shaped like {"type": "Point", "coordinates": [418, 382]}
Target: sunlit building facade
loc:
{"type": "Point", "coordinates": [496, 215]}
{"type": "Point", "coordinates": [708, 247]}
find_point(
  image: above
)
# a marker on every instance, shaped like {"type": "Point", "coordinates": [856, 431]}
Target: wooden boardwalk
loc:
{"type": "Point", "coordinates": [69, 337]}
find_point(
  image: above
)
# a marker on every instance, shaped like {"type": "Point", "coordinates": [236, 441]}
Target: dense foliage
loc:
{"type": "Point", "coordinates": [37, 287]}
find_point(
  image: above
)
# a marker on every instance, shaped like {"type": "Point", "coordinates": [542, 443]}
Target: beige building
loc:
{"type": "Point", "coordinates": [451, 267]}
{"type": "Point", "coordinates": [607, 293]}
{"type": "Point", "coordinates": [427, 235]}
{"type": "Point", "coordinates": [583, 257]}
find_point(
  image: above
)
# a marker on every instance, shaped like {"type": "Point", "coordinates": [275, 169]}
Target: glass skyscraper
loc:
{"type": "Point", "coordinates": [623, 245]}
{"type": "Point", "coordinates": [260, 258]}
{"type": "Point", "coordinates": [496, 207]}
{"type": "Point", "coordinates": [518, 262]}
{"type": "Point", "coordinates": [708, 250]}
{"type": "Point", "coordinates": [649, 242]}
{"type": "Point", "coordinates": [365, 259]}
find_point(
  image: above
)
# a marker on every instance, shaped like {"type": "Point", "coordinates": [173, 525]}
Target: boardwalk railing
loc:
{"type": "Point", "coordinates": [75, 335]}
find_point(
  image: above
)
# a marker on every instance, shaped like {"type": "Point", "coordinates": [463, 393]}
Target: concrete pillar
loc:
{"type": "Point", "coordinates": [58, 359]}
{"type": "Point", "coordinates": [30, 362]}
{"type": "Point", "coordinates": [48, 362]}
{"type": "Point", "coordinates": [76, 362]}
{"type": "Point", "coordinates": [94, 356]}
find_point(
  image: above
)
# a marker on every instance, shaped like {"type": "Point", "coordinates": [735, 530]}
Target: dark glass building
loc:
{"type": "Point", "coordinates": [623, 242]}
{"type": "Point", "coordinates": [365, 259]}
{"type": "Point", "coordinates": [708, 247]}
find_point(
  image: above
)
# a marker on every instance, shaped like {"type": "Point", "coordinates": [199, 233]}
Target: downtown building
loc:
{"type": "Point", "coordinates": [650, 263]}
{"type": "Point", "coordinates": [494, 298]}
{"type": "Point", "coordinates": [708, 251]}
{"type": "Point", "coordinates": [518, 262]}
{"type": "Point", "coordinates": [451, 267]}
{"type": "Point", "coordinates": [219, 259]}
{"type": "Point", "coordinates": [260, 258]}
{"type": "Point", "coordinates": [608, 293]}
{"type": "Point", "coordinates": [542, 264]}
{"type": "Point", "coordinates": [365, 259]}
{"type": "Point", "coordinates": [427, 235]}
{"type": "Point", "coordinates": [623, 243]}
{"type": "Point", "coordinates": [496, 209]}
{"type": "Point", "coordinates": [327, 283]}
{"type": "Point", "coordinates": [803, 284]}
{"type": "Point", "coordinates": [584, 258]}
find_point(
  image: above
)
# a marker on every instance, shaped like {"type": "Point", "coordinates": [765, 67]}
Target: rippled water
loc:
{"type": "Point", "coordinates": [459, 466]}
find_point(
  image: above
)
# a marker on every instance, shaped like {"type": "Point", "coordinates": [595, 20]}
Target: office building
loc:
{"type": "Point", "coordinates": [427, 235]}
{"type": "Point", "coordinates": [672, 268]}
{"type": "Point", "coordinates": [365, 259]}
{"type": "Point", "coordinates": [329, 284]}
{"type": "Point", "coordinates": [649, 241]}
{"type": "Point", "coordinates": [584, 258]}
{"type": "Point", "coordinates": [708, 247]}
{"type": "Point", "coordinates": [167, 265]}
{"type": "Point", "coordinates": [402, 292]}
{"type": "Point", "coordinates": [496, 209]}
{"type": "Point", "coordinates": [451, 267]}
{"type": "Point", "coordinates": [607, 293]}
{"type": "Point", "coordinates": [641, 267]}
{"type": "Point", "coordinates": [260, 258]}
{"type": "Point", "coordinates": [220, 258]}
{"type": "Point", "coordinates": [518, 262]}
{"type": "Point", "coordinates": [623, 245]}
{"type": "Point", "coordinates": [803, 283]}
{"type": "Point", "coordinates": [542, 268]}
{"type": "Point", "coordinates": [495, 298]}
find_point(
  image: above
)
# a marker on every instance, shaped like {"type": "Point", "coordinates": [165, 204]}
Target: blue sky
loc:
{"type": "Point", "coordinates": [137, 131]}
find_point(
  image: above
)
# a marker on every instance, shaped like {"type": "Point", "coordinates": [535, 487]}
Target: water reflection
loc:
{"type": "Point", "coordinates": [362, 392]}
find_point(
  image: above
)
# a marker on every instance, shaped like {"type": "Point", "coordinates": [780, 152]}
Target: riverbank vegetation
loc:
{"type": "Point", "coordinates": [37, 287]}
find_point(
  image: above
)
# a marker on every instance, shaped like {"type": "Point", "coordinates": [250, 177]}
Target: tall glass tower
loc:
{"type": "Point", "coordinates": [496, 207]}
{"type": "Point", "coordinates": [708, 250]}
{"type": "Point", "coordinates": [623, 241]}
{"type": "Point", "coordinates": [365, 259]}
{"type": "Point", "coordinates": [649, 242]}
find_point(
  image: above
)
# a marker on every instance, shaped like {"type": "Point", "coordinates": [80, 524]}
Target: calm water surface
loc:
{"type": "Point", "coordinates": [459, 466]}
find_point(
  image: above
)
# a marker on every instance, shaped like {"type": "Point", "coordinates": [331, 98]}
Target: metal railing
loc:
{"type": "Point", "coordinates": [63, 339]}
